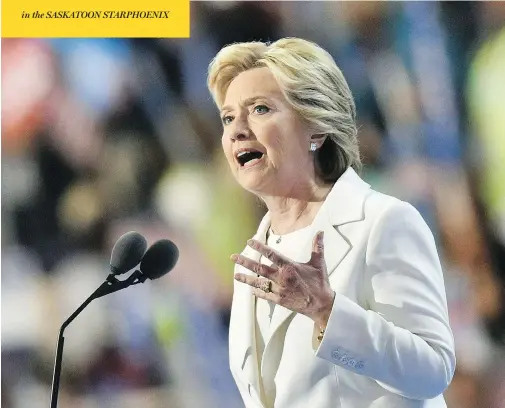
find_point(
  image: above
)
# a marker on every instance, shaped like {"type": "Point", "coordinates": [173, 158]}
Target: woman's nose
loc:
{"type": "Point", "coordinates": [241, 131]}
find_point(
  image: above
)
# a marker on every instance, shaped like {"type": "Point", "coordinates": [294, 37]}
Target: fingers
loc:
{"type": "Point", "coordinates": [269, 253]}
{"type": "Point", "coordinates": [317, 249]}
{"type": "Point", "coordinates": [256, 267]}
{"type": "Point", "coordinates": [318, 244]}
{"type": "Point", "coordinates": [272, 297]}
{"type": "Point", "coordinates": [263, 288]}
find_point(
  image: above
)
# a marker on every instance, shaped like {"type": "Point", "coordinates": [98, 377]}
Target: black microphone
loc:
{"type": "Point", "coordinates": [127, 252]}
{"type": "Point", "coordinates": [159, 259]}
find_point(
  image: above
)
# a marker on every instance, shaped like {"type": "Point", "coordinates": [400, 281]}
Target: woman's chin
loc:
{"type": "Point", "coordinates": [251, 183]}
{"type": "Point", "coordinates": [251, 180]}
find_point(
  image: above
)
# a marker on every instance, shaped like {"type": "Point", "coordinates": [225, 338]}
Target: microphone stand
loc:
{"type": "Point", "coordinates": [111, 285]}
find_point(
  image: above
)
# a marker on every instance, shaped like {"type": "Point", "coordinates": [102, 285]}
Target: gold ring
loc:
{"type": "Point", "coordinates": [266, 286]}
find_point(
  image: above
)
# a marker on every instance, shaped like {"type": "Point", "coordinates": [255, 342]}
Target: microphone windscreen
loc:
{"type": "Point", "coordinates": [127, 252]}
{"type": "Point", "coordinates": [159, 259]}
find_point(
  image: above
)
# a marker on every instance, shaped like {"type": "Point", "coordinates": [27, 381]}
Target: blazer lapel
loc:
{"type": "Point", "coordinates": [345, 204]}
{"type": "Point", "coordinates": [247, 312]}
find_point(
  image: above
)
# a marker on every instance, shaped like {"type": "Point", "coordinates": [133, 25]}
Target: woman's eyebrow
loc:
{"type": "Point", "coordinates": [245, 102]}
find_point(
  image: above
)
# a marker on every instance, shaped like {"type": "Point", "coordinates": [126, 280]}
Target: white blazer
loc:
{"type": "Point", "coordinates": [388, 343]}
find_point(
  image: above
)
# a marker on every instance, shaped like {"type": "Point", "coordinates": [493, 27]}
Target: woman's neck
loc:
{"type": "Point", "coordinates": [294, 211]}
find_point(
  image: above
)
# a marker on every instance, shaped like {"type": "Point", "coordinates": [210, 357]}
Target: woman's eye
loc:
{"type": "Point", "coordinates": [261, 109]}
{"type": "Point", "coordinates": [226, 120]}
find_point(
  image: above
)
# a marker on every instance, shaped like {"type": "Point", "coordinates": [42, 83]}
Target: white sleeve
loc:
{"type": "Point", "coordinates": [403, 341]}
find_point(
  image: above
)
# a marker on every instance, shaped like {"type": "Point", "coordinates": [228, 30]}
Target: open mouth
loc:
{"type": "Point", "coordinates": [247, 158]}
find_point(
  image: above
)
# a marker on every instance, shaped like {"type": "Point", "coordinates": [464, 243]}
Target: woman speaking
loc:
{"type": "Point", "coordinates": [339, 298]}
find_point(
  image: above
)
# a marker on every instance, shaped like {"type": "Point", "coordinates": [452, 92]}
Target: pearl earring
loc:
{"type": "Point", "coordinates": [313, 147]}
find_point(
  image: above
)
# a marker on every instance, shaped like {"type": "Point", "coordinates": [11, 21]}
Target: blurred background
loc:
{"type": "Point", "coordinates": [104, 136]}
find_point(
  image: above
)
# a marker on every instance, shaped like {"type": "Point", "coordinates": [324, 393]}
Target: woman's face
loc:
{"type": "Point", "coordinates": [265, 141]}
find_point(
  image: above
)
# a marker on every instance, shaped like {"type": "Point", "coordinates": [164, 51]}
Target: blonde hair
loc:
{"type": "Point", "coordinates": [312, 84]}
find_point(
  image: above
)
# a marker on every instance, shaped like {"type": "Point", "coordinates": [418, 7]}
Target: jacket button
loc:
{"type": "Point", "coordinates": [359, 365]}
{"type": "Point", "coordinates": [336, 355]}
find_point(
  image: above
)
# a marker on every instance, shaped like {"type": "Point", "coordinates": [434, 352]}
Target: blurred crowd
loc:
{"type": "Point", "coordinates": [105, 136]}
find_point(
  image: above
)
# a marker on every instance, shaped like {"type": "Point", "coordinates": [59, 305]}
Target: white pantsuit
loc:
{"type": "Point", "coordinates": [388, 343]}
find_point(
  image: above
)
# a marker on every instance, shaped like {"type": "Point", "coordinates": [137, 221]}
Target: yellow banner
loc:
{"type": "Point", "coordinates": [95, 18]}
